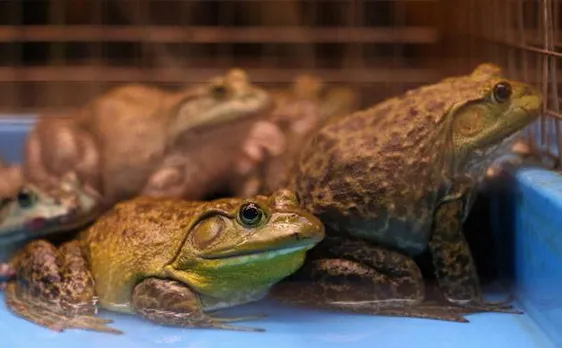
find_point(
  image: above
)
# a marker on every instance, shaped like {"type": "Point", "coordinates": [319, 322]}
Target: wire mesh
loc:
{"type": "Point", "coordinates": [57, 54]}
{"type": "Point", "coordinates": [61, 53]}
{"type": "Point", "coordinates": [523, 36]}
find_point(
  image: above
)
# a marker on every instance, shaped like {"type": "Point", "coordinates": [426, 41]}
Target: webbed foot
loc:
{"type": "Point", "coordinates": [52, 320]}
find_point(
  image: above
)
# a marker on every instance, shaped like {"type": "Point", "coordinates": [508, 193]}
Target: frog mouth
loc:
{"type": "Point", "coordinates": [259, 254]}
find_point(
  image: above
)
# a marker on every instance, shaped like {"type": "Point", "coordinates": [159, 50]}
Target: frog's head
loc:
{"type": "Point", "coordinates": [226, 101]}
{"type": "Point", "coordinates": [246, 245]}
{"type": "Point", "coordinates": [34, 212]}
{"type": "Point", "coordinates": [489, 110]}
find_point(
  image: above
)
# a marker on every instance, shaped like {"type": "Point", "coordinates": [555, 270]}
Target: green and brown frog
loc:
{"type": "Point", "coordinates": [399, 178]}
{"type": "Point", "coordinates": [171, 261]}
{"type": "Point", "coordinates": [137, 139]}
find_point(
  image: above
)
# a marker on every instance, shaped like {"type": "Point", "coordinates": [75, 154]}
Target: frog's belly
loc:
{"type": "Point", "coordinates": [401, 234]}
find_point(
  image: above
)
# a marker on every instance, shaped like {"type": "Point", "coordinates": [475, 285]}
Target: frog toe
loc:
{"type": "Point", "coordinates": [50, 319]}
{"type": "Point", "coordinates": [91, 323]}
{"type": "Point", "coordinates": [493, 307]}
{"type": "Point", "coordinates": [241, 318]}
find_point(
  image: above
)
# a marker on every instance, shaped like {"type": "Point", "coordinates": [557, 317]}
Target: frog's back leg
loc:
{"type": "Point", "coordinates": [350, 274]}
{"type": "Point", "coordinates": [54, 288]}
{"type": "Point", "coordinates": [56, 147]}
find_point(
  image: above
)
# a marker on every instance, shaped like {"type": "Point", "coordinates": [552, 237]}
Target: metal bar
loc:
{"type": "Point", "coordinates": [524, 47]}
{"type": "Point", "coordinates": [122, 74]}
{"type": "Point", "coordinates": [199, 34]}
{"type": "Point", "coordinates": [544, 63]}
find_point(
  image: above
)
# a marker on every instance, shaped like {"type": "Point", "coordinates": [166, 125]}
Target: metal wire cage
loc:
{"type": "Point", "coordinates": [523, 36]}
{"type": "Point", "coordinates": [57, 54]}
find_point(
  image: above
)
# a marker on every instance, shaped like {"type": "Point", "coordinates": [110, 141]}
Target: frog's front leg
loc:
{"type": "Point", "coordinates": [169, 302]}
{"type": "Point", "coordinates": [54, 288]}
{"type": "Point", "coordinates": [453, 262]}
{"type": "Point", "coordinates": [179, 176]}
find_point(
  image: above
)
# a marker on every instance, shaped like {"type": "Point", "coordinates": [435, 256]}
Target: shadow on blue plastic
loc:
{"type": "Point", "coordinates": [536, 264]}
{"type": "Point", "coordinates": [534, 203]}
{"type": "Point", "coordinates": [290, 327]}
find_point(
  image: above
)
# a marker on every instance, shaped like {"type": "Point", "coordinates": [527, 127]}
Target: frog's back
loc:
{"type": "Point", "coordinates": [378, 170]}
{"type": "Point", "coordinates": [136, 239]}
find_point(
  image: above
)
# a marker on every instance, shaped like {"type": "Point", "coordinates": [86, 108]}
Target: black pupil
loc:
{"type": "Point", "coordinates": [24, 199]}
{"type": "Point", "coordinates": [219, 91]}
{"type": "Point", "coordinates": [251, 213]}
{"type": "Point", "coordinates": [502, 91]}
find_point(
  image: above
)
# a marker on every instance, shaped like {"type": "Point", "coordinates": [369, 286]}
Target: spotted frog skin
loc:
{"type": "Point", "coordinates": [395, 180]}
{"type": "Point", "coordinates": [170, 261]}
{"type": "Point", "coordinates": [137, 139]}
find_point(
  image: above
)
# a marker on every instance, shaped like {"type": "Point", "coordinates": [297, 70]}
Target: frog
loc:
{"type": "Point", "coordinates": [140, 139]}
{"type": "Point", "coordinates": [35, 213]}
{"type": "Point", "coordinates": [298, 111]}
{"type": "Point", "coordinates": [168, 260]}
{"type": "Point", "coordinates": [397, 180]}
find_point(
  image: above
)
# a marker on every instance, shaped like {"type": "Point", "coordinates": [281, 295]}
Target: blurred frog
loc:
{"type": "Point", "coordinates": [35, 213]}
{"type": "Point", "coordinates": [137, 139]}
{"type": "Point", "coordinates": [272, 142]}
{"type": "Point", "coordinates": [10, 179]}
{"type": "Point", "coordinates": [398, 179]}
{"type": "Point", "coordinates": [170, 261]}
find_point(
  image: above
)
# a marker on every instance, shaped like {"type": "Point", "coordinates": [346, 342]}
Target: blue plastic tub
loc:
{"type": "Point", "coordinates": [526, 219]}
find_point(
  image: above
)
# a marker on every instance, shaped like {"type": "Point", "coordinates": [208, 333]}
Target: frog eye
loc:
{"type": "Point", "coordinates": [501, 92]}
{"type": "Point", "coordinates": [219, 91]}
{"type": "Point", "coordinates": [25, 199]}
{"type": "Point", "coordinates": [250, 214]}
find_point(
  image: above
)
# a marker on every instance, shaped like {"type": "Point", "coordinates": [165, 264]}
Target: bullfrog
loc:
{"type": "Point", "coordinates": [35, 213]}
{"type": "Point", "coordinates": [171, 261]}
{"type": "Point", "coordinates": [137, 139]}
{"type": "Point", "coordinates": [398, 179]}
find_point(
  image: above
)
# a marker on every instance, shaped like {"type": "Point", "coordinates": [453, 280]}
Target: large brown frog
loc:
{"type": "Point", "coordinates": [273, 141]}
{"type": "Point", "coordinates": [137, 139]}
{"type": "Point", "coordinates": [167, 260]}
{"type": "Point", "coordinates": [399, 178]}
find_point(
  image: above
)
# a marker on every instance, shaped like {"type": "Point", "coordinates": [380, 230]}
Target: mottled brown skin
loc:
{"type": "Point", "coordinates": [401, 176]}
{"type": "Point", "coordinates": [275, 141]}
{"type": "Point", "coordinates": [170, 261]}
{"type": "Point", "coordinates": [137, 139]}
